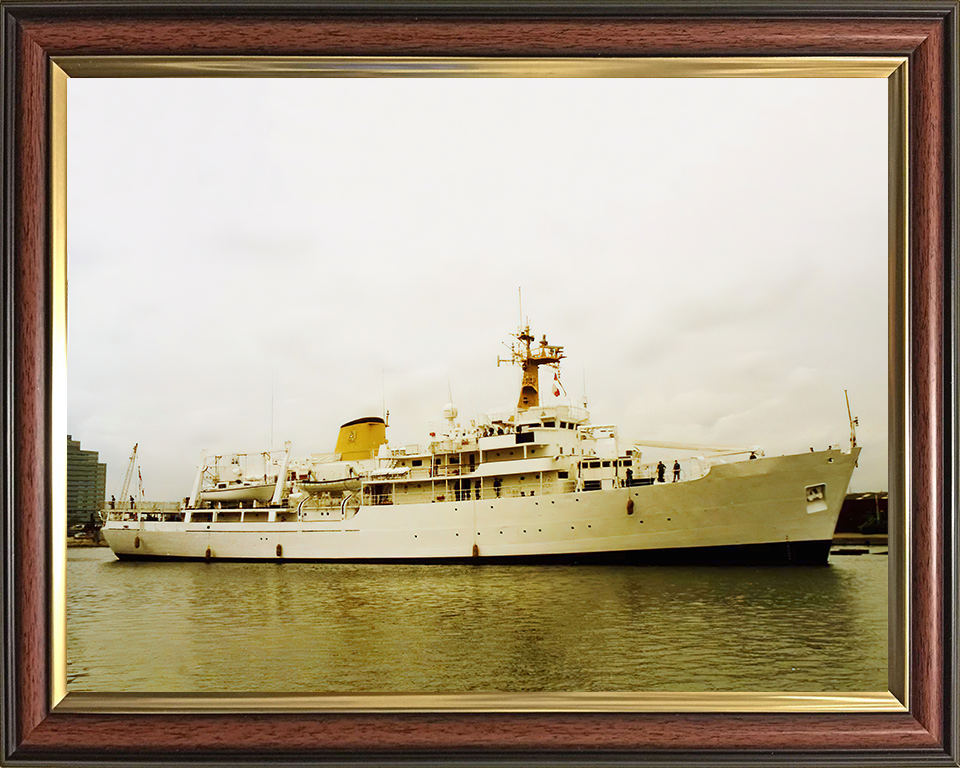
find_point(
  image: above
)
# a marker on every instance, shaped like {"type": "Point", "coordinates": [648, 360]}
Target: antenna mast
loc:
{"type": "Point", "coordinates": [854, 422]}
{"type": "Point", "coordinates": [530, 361]}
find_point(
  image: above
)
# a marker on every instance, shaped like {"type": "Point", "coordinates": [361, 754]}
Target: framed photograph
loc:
{"type": "Point", "coordinates": [130, 60]}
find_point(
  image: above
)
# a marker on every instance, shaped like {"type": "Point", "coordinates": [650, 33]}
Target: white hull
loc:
{"type": "Point", "coordinates": [744, 504]}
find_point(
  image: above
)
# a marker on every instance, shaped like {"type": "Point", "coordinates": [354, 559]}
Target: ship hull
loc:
{"type": "Point", "coordinates": [778, 509]}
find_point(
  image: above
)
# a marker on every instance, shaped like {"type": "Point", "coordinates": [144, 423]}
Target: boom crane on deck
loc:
{"type": "Point", "coordinates": [129, 475]}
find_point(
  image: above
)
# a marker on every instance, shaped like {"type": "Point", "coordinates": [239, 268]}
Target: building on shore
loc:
{"type": "Point", "coordinates": [864, 513]}
{"type": "Point", "coordinates": [86, 484]}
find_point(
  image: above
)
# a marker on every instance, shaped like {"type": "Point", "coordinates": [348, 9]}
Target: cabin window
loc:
{"type": "Point", "coordinates": [563, 425]}
{"type": "Point", "coordinates": [626, 463]}
{"type": "Point", "coordinates": [549, 423]}
{"type": "Point", "coordinates": [606, 463]}
{"type": "Point", "coordinates": [417, 462]}
{"type": "Point", "coordinates": [563, 474]}
{"type": "Point", "coordinates": [454, 459]}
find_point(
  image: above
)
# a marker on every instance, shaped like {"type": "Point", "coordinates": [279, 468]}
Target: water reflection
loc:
{"type": "Point", "coordinates": [328, 627]}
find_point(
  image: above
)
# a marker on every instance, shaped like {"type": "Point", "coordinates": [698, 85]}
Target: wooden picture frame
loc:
{"type": "Point", "coordinates": [38, 732]}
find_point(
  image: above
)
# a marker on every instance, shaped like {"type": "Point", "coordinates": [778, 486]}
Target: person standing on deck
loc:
{"type": "Point", "coordinates": [676, 471]}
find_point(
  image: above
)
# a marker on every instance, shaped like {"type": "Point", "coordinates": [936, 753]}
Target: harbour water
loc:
{"type": "Point", "coordinates": [312, 627]}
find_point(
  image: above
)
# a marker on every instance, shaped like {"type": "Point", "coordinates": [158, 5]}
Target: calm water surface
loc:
{"type": "Point", "coordinates": [311, 627]}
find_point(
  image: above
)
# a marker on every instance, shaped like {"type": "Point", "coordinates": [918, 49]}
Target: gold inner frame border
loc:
{"type": "Point", "coordinates": [893, 69]}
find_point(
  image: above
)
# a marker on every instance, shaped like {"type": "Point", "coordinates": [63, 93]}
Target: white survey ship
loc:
{"type": "Point", "coordinates": [540, 484]}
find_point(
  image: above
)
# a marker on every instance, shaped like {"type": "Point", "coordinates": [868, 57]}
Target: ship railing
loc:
{"type": "Point", "coordinates": [425, 473]}
{"type": "Point", "coordinates": [443, 470]}
{"type": "Point", "coordinates": [142, 510]}
{"type": "Point", "coordinates": [690, 469]}
{"type": "Point", "coordinates": [486, 493]}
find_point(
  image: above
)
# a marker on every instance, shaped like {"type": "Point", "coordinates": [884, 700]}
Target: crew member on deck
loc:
{"type": "Point", "coordinates": [661, 468]}
{"type": "Point", "coordinates": [676, 471]}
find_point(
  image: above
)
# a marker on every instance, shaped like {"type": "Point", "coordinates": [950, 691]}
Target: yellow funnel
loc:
{"type": "Point", "coordinates": [360, 438]}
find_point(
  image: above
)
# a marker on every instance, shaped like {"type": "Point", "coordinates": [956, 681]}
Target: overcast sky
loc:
{"type": "Point", "coordinates": [257, 260]}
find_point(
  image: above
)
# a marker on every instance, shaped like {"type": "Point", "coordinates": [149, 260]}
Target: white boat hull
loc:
{"type": "Point", "coordinates": [773, 508]}
{"type": "Point", "coordinates": [261, 493]}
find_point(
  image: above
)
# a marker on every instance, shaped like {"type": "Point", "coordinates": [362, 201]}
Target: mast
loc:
{"type": "Point", "coordinates": [530, 359]}
{"type": "Point", "coordinates": [854, 422]}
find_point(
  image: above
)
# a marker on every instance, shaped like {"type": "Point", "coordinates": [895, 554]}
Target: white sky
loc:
{"type": "Point", "coordinates": [257, 258]}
